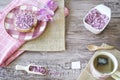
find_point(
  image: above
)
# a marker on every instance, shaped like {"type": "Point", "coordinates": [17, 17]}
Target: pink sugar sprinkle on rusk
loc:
{"type": "Point", "coordinates": [24, 19]}
{"type": "Point", "coordinates": [96, 19]}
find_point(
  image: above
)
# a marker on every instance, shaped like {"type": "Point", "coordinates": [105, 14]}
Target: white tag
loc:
{"type": "Point", "coordinates": [75, 65]}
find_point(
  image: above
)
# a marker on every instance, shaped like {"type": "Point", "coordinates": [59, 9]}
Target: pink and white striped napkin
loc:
{"type": "Point", "coordinates": [8, 45]}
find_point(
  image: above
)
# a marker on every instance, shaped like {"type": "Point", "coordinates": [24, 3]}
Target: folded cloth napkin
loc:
{"type": "Point", "coordinates": [9, 45]}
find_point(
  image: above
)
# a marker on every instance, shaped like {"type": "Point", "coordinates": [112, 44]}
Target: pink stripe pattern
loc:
{"type": "Point", "coordinates": [13, 32]}
{"type": "Point", "coordinates": [8, 45]}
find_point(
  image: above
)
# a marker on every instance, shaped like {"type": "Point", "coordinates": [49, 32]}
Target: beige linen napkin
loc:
{"type": "Point", "coordinates": [86, 75]}
{"type": "Point", "coordinates": [53, 39]}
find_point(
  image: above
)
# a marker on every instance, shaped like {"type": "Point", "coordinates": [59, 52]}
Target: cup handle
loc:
{"type": "Point", "coordinates": [116, 75]}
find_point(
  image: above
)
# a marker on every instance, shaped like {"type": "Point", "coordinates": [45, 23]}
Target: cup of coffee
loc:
{"type": "Point", "coordinates": [104, 65]}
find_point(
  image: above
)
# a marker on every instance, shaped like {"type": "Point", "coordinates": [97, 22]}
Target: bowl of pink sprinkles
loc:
{"type": "Point", "coordinates": [97, 19]}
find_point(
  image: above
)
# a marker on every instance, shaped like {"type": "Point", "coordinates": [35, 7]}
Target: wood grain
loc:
{"type": "Point", "coordinates": [77, 38]}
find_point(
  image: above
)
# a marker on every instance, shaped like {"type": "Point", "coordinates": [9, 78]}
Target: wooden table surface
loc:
{"type": "Point", "coordinates": [77, 38]}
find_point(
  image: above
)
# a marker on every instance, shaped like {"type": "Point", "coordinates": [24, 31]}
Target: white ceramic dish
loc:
{"type": "Point", "coordinates": [103, 10]}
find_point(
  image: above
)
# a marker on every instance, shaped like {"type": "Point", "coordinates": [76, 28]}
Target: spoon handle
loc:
{"type": "Point", "coordinates": [20, 67]}
{"type": "Point", "coordinates": [105, 47]}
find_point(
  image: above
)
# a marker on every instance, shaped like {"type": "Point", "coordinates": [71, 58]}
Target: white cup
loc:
{"type": "Point", "coordinates": [107, 59]}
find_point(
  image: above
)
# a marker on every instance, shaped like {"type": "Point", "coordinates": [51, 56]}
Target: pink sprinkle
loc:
{"type": "Point", "coordinates": [96, 19]}
{"type": "Point", "coordinates": [66, 12]}
{"type": "Point", "coordinates": [24, 19]}
{"type": "Point", "coordinates": [38, 69]}
{"type": "Point", "coordinates": [52, 5]}
{"type": "Point", "coordinates": [45, 14]}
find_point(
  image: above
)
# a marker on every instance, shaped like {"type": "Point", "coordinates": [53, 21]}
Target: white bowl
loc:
{"type": "Point", "coordinates": [103, 10]}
